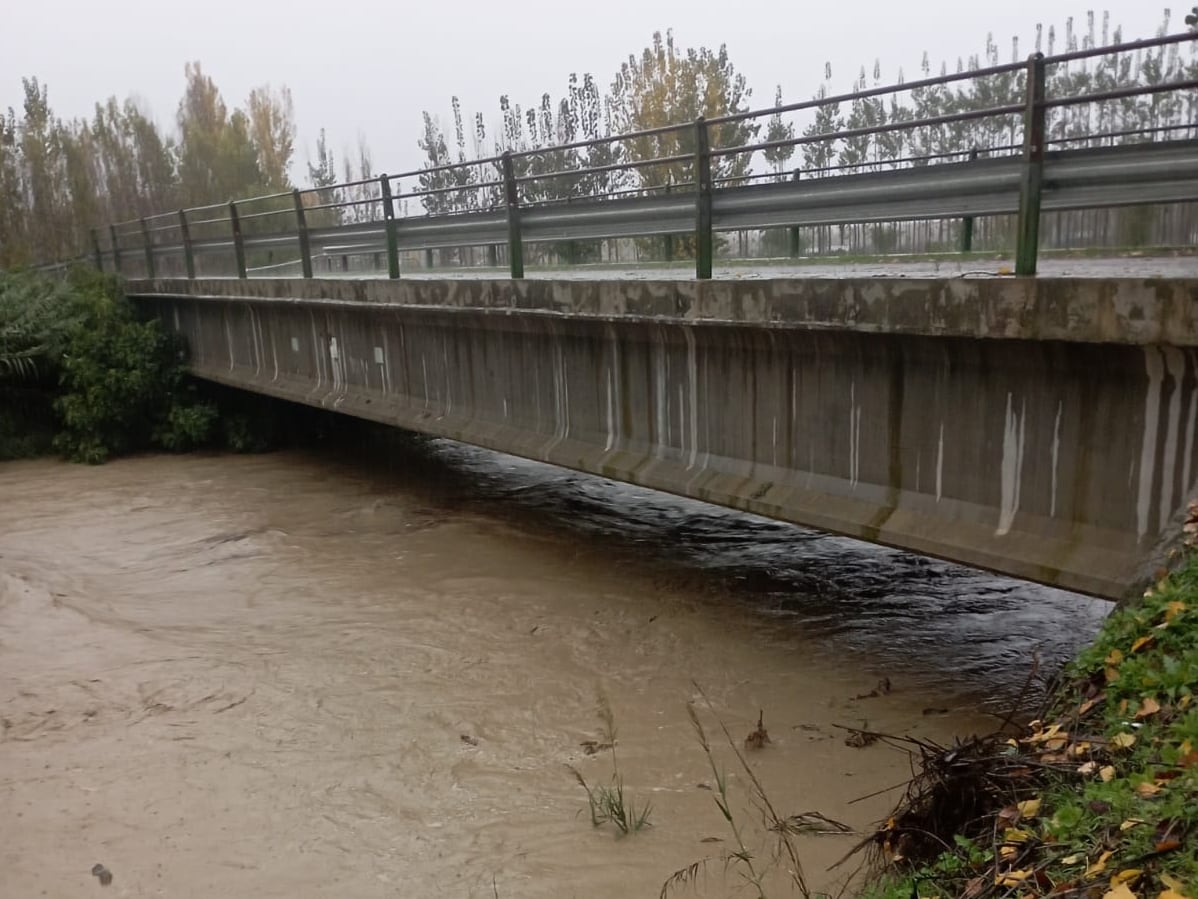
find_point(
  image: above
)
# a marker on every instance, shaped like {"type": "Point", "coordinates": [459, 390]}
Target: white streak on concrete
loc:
{"type": "Point", "coordinates": [692, 383]}
{"type": "Point", "coordinates": [940, 464]}
{"type": "Point", "coordinates": [854, 436]}
{"type": "Point", "coordinates": [1176, 364]}
{"type": "Point", "coordinates": [1012, 466]}
{"type": "Point", "coordinates": [228, 338]}
{"type": "Point", "coordinates": [1056, 455]}
{"type": "Point", "coordinates": [1152, 411]}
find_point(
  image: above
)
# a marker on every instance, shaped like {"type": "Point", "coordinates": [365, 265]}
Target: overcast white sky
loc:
{"type": "Point", "coordinates": [371, 66]}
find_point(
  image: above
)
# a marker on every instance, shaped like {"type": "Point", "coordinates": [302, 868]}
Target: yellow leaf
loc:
{"type": "Point", "coordinates": [1147, 790]}
{"type": "Point", "coordinates": [1099, 864]}
{"type": "Point", "coordinates": [1173, 609]}
{"type": "Point", "coordinates": [1081, 748]}
{"type": "Point", "coordinates": [1015, 835]}
{"type": "Point", "coordinates": [1123, 741]}
{"type": "Point", "coordinates": [1148, 707]}
{"type": "Point", "coordinates": [1115, 657]}
{"type": "Point", "coordinates": [1130, 823]}
{"type": "Point", "coordinates": [1029, 808]}
{"type": "Point", "coordinates": [1071, 859]}
{"type": "Point", "coordinates": [1185, 700]}
{"type": "Point", "coordinates": [1122, 891]}
{"type": "Point", "coordinates": [1007, 853]}
{"type": "Point", "coordinates": [1107, 773]}
{"type": "Point", "coordinates": [1086, 706]}
{"type": "Point", "coordinates": [1087, 768]}
{"type": "Point", "coordinates": [1127, 875]}
{"type": "Point", "coordinates": [1012, 878]}
{"type": "Point", "coordinates": [1142, 642]}
{"type": "Point", "coordinates": [1185, 748]}
{"type": "Point", "coordinates": [1170, 881]}
{"type": "Point", "coordinates": [1112, 674]}
{"type": "Point", "coordinates": [1170, 894]}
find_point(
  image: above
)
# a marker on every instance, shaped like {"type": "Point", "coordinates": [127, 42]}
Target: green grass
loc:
{"type": "Point", "coordinates": [609, 803]}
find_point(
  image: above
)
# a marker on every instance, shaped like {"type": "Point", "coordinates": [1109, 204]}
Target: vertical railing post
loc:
{"type": "Point", "coordinates": [794, 229]}
{"type": "Point", "coordinates": [189, 259]}
{"type": "Point", "coordinates": [669, 238]}
{"type": "Point", "coordinates": [967, 222]}
{"type": "Point", "coordinates": [389, 224]}
{"type": "Point", "coordinates": [99, 255]}
{"type": "Point", "coordinates": [149, 247]}
{"type": "Point", "coordinates": [301, 224]}
{"type": "Point", "coordinates": [511, 192]}
{"type": "Point", "coordinates": [1027, 239]}
{"type": "Point", "coordinates": [116, 249]}
{"type": "Point", "coordinates": [238, 240]}
{"type": "Point", "coordinates": [704, 243]}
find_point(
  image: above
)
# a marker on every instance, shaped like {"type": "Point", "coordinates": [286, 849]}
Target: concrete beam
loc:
{"type": "Point", "coordinates": [1039, 428]}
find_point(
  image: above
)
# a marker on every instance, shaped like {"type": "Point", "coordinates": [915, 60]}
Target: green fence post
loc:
{"type": "Point", "coordinates": [1027, 241]}
{"type": "Point", "coordinates": [704, 244]}
{"type": "Point", "coordinates": [145, 238]}
{"type": "Point", "coordinates": [512, 193]}
{"type": "Point", "coordinates": [189, 259]}
{"type": "Point", "coordinates": [967, 222]}
{"type": "Point", "coordinates": [238, 241]}
{"type": "Point", "coordinates": [301, 224]}
{"type": "Point", "coordinates": [389, 224]}
{"type": "Point", "coordinates": [99, 255]}
{"type": "Point", "coordinates": [669, 238]}
{"type": "Point", "coordinates": [116, 249]}
{"type": "Point", "coordinates": [794, 229]}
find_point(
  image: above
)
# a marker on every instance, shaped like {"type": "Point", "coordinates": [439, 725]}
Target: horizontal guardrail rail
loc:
{"type": "Point", "coordinates": [507, 201]}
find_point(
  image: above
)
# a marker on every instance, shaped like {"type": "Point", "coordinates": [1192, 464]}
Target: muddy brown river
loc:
{"type": "Point", "coordinates": [314, 673]}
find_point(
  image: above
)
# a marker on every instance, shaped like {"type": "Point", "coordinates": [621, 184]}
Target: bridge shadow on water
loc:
{"type": "Point", "coordinates": [918, 620]}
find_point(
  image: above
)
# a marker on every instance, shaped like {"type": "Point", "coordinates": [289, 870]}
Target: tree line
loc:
{"type": "Point", "coordinates": [59, 179]}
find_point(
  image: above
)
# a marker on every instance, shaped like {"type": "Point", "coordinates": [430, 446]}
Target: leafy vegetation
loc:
{"type": "Point", "coordinates": [1102, 792]}
{"type": "Point", "coordinates": [82, 373]}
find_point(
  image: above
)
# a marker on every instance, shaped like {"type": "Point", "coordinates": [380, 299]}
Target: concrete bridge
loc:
{"type": "Point", "coordinates": [1039, 427]}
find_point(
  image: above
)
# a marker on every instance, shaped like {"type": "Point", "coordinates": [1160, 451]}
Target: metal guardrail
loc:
{"type": "Point", "coordinates": [1023, 179]}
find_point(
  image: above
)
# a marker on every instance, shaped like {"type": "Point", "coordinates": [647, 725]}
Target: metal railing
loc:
{"type": "Point", "coordinates": [1024, 178]}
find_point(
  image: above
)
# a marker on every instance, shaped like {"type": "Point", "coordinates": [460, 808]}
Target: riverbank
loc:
{"type": "Point", "coordinates": [1100, 796]}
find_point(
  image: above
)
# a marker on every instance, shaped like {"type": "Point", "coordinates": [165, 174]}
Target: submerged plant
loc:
{"type": "Point", "coordinates": [609, 804]}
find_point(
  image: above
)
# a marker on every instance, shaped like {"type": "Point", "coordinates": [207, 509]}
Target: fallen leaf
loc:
{"type": "Point", "coordinates": [1130, 823]}
{"type": "Point", "coordinates": [1107, 773]}
{"type": "Point", "coordinates": [1170, 881]}
{"type": "Point", "coordinates": [1173, 609]}
{"type": "Point", "coordinates": [1115, 657]}
{"type": "Point", "coordinates": [1085, 770]}
{"type": "Point", "coordinates": [1007, 853]}
{"type": "Point", "coordinates": [1166, 845]}
{"type": "Point", "coordinates": [1029, 808]}
{"type": "Point", "coordinates": [1148, 708]}
{"type": "Point", "coordinates": [1081, 748]}
{"type": "Point", "coordinates": [1170, 894]}
{"type": "Point", "coordinates": [1112, 674]}
{"type": "Point", "coordinates": [1123, 741]}
{"type": "Point", "coordinates": [1127, 875]}
{"type": "Point", "coordinates": [1056, 743]}
{"type": "Point", "coordinates": [1071, 859]}
{"type": "Point", "coordinates": [1143, 642]}
{"type": "Point", "coordinates": [1189, 760]}
{"type": "Point", "coordinates": [1122, 891]}
{"type": "Point", "coordinates": [1012, 878]}
{"type": "Point", "coordinates": [1015, 835]}
{"type": "Point", "coordinates": [1185, 700]}
{"type": "Point", "coordinates": [1087, 705]}
{"type": "Point", "coordinates": [1099, 864]}
{"type": "Point", "coordinates": [1147, 790]}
